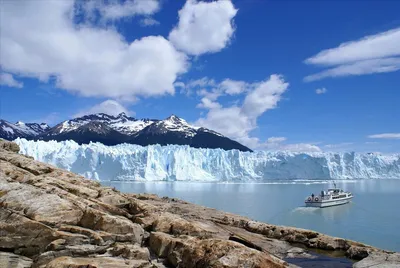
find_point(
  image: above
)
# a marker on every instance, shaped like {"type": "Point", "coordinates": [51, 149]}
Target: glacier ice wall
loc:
{"type": "Point", "coordinates": [183, 163]}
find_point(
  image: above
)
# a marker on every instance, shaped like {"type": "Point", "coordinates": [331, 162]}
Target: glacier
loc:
{"type": "Point", "coordinates": [127, 162]}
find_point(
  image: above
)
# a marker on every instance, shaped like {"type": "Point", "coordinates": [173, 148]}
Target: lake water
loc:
{"type": "Point", "coordinates": [373, 217]}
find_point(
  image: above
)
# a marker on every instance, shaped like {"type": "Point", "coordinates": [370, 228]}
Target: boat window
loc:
{"type": "Point", "coordinates": [339, 196]}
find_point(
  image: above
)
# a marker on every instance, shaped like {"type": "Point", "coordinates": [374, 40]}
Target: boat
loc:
{"type": "Point", "coordinates": [332, 197]}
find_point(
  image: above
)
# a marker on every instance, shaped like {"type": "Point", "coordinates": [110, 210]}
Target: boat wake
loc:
{"type": "Point", "coordinates": [304, 210]}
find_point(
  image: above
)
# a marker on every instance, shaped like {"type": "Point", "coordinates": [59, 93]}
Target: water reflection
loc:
{"type": "Point", "coordinates": [335, 213]}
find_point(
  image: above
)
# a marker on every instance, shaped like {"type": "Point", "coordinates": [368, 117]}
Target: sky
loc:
{"type": "Point", "coordinates": [273, 75]}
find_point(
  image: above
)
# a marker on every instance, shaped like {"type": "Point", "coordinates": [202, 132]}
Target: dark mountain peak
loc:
{"type": "Point", "coordinates": [95, 126]}
{"type": "Point", "coordinates": [175, 120]}
{"type": "Point", "coordinates": [44, 126]}
{"type": "Point", "coordinates": [122, 115]}
{"type": "Point", "coordinates": [116, 129]}
{"type": "Point", "coordinates": [172, 116]}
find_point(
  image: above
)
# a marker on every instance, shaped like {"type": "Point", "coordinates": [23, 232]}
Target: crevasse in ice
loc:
{"type": "Point", "coordinates": [183, 163]}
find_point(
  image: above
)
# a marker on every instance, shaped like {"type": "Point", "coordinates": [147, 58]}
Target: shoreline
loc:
{"type": "Point", "coordinates": [50, 217]}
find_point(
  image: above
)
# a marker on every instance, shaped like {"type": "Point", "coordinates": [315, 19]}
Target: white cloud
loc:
{"type": "Point", "coordinates": [237, 122]}
{"type": "Point", "coordinates": [231, 122]}
{"type": "Point", "coordinates": [51, 119]}
{"type": "Point", "coordinates": [301, 147]}
{"type": "Point", "coordinates": [204, 27]}
{"type": "Point", "coordinates": [385, 136]}
{"type": "Point", "coordinates": [233, 87]}
{"type": "Point", "coordinates": [211, 95]}
{"type": "Point", "coordinates": [338, 145]}
{"type": "Point", "coordinates": [321, 91]}
{"type": "Point", "coordinates": [9, 81]}
{"type": "Point", "coordinates": [372, 54]}
{"type": "Point", "coordinates": [39, 40]}
{"type": "Point", "coordinates": [358, 68]}
{"type": "Point", "coordinates": [277, 144]}
{"type": "Point", "coordinates": [208, 104]}
{"type": "Point", "coordinates": [192, 85]}
{"type": "Point", "coordinates": [117, 9]}
{"type": "Point", "coordinates": [276, 139]}
{"type": "Point", "coordinates": [202, 82]}
{"type": "Point", "coordinates": [149, 22]}
{"type": "Point", "coordinates": [265, 96]}
{"type": "Point", "coordinates": [212, 90]}
{"type": "Point", "coordinates": [110, 107]}
{"type": "Point", "coordinates": [381, 45]}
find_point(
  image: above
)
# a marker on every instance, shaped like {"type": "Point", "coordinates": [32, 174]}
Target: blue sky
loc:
{"type": "Point", "coordinates": [248, 69]}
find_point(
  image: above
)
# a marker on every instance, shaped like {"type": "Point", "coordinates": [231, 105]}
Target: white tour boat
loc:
{"type": "Point", "coordinates": [332, 197]}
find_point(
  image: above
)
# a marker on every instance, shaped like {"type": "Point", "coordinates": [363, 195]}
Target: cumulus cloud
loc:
{"type": "Point", "coordinates": [233, 87]}
{"type": "Point", "coordinates": [278, 144]}
{"type": "Point", "coordinates": [208, 104]}
{"type": "Point", "coordinates": [372, 54]}
{"type": "Point", "coordinates": [149, 22]}
{"type": "Point", "coordinates": [385, 136]}
{"type": "Point", "coordinates": [110, 107]}
{"type": "Point", "coordinates": [237, 121]}
{"type": "Point", "coordinates": [39, 39]}
{"type": "Point", "coordinates": [212, 90]}
{"type": "Point", "coordinates": [9, 81]}
{"type": "Point", "coordinates": [114, 10]}
{"type": "Point", "coordinates": [321, 91]}
{"type": "Point", "coordinates": [204, 27]}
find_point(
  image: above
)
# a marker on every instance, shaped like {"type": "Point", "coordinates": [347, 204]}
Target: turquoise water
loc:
{"type": "Point", "coordinates": [373, 217]}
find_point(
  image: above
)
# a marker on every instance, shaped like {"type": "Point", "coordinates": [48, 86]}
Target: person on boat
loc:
{"type": "Point", "coordinates": [312, 196]}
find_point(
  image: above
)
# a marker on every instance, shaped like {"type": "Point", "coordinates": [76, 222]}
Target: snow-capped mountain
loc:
{"type": "Point", "coordinates": [12, 131]}
{"type": "Point", "coordinates": [112, 130]}
{"type": "Point", "coordinates": [121, 123]}
{"type": "Point", "coordinates": [183, 163]}
{"type": "Point", "coordinates": [175, 130]}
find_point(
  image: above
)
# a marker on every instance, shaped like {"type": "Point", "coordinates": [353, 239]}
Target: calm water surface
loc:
{"type": "Point", "coordinates": [373, 217]}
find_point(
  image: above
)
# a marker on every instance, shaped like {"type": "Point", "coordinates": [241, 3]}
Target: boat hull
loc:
{"type": "Point", "coordinates": [328, 203]}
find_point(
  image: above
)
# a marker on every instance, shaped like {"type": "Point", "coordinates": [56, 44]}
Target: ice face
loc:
{"type": "Point", "coordinates": [183, 163]}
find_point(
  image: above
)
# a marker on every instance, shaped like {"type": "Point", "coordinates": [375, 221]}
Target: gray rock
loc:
{"type": "Point", "coordinates": [379, 259]}
{"type": "Point", "coordinates": [14, 261]}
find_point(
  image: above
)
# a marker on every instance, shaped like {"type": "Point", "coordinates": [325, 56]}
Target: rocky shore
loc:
{"type": "Point", "coordinates": [53, 218]}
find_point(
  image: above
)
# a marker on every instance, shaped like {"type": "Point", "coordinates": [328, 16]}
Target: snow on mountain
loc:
{"type": "Point", "coordinates": [174, 123]}
{"type": "Point", "coordinates": [113, 130]}
{"type": "Point", "coordinates": [20, 129]}
{"type": "Point", "coordinates": [121, 123]}
{"type": "Point", "coordinates": [184, 163]}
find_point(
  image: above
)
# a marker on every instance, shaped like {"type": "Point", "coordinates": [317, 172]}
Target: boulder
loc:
{"type": "Point", "coordinates": [379, 259]}
{"type": "Point", "coordinates": [98, 220]}
{"type": "Point", "coordinates": [22, 235]}
{"type": "Point", "coordinates": [185, 251]}
{"type": "Point", "coordinates": [14, 261]}
{"type": "Point", "coordinates": [9, 146]}
{"type": "Point", "coordinates": [130, 251]}
{"type": "Point", "coordinates": [357, 253]}
{"type": "Point", "coordinates": [38, 205]}
{"type": "Point", "coordinates": [96, 262]}
{"type": "Point", "coordinates": [169, 223]}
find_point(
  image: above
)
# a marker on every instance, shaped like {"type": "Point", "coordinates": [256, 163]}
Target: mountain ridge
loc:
{"type": "Point", "coordinates": [113, 130]}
